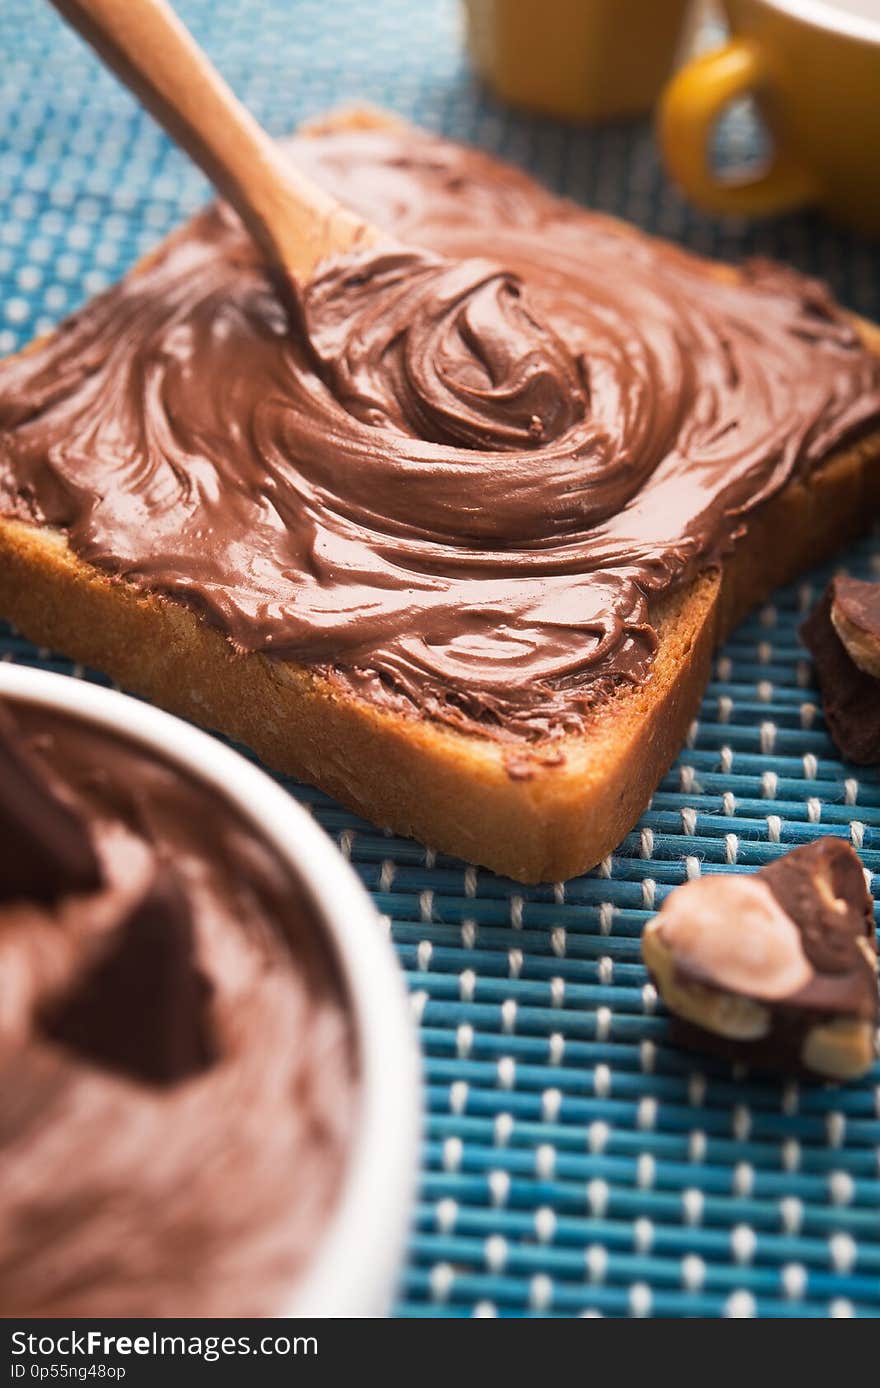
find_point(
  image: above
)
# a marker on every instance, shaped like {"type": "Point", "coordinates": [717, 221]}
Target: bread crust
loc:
{"type": "Point", "coordinates": [570, 801]}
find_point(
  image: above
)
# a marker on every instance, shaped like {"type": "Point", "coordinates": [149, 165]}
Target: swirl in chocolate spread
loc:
{"type": "Point", "coordinates": [457, 484]}
{"type": "Point", "coordinates": [177, 1064]}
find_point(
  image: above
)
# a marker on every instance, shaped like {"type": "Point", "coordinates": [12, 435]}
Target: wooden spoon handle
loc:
{"type": "Point", "coordinates": [293, 221]}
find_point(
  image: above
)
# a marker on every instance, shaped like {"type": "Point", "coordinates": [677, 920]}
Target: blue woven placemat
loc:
{"type": "Point", "coordinates": [574, 1163]}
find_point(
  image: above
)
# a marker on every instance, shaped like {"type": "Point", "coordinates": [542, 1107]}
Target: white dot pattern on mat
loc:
{"type": "Point", "coordinates": [574, 1162]}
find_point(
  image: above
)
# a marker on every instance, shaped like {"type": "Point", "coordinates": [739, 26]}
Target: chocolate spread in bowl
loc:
{"type": "Point", "coordinates": [456, 477]}
{"type": "Point", "coordinates": [178, 1070]}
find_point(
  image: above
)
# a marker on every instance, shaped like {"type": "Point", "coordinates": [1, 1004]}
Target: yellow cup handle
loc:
{"type": "Point", "coordinates": [689, 108]}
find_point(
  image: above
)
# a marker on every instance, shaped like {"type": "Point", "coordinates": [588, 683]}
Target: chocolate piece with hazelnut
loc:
{"type": "Point", "coordinates": [776, 968]}
{"type": "Point", "coordinates": [842, 634]}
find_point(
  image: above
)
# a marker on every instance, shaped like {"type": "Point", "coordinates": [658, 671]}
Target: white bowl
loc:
{"type": "Point", "coordinates": [355, 1266]}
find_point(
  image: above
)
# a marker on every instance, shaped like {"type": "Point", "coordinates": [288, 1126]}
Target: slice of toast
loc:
{"type": "Point", "coordinates": [556, 809]}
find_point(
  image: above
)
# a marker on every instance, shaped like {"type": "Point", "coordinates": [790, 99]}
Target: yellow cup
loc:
{"type": "Point", "coordinates": [813, 67]}
{"type": "Point", "coordinates": [578, 59]}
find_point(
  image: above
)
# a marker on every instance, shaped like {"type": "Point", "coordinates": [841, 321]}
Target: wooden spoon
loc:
{"type": "Point", "coordinates": [294, 222]}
